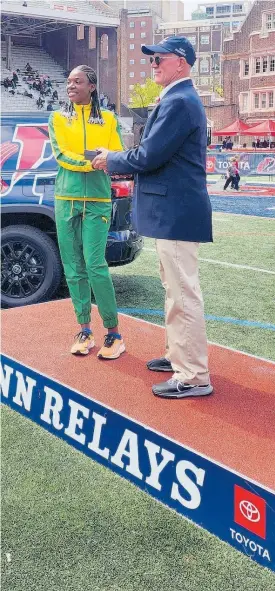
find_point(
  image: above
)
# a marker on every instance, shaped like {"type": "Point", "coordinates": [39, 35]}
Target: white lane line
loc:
{"type": "Point", "coordinates": [225, 264]}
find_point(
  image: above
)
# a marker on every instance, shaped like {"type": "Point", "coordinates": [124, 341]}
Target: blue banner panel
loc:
{"type": "Point", "coordinates": [262, 164]}
{"type": "Point", "coordinates": [225, 503]}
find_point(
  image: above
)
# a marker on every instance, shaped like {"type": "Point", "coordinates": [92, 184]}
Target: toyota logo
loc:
{"type": "Point", "coordinates": [249, 511]}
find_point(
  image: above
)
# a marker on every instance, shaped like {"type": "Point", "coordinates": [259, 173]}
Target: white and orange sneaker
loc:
{"type": "Point", "coordinates": [113, 346]}
{"type": "Point", "coordinates": [83, 342]}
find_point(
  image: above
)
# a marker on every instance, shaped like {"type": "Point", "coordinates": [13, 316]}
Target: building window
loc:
{"type": "Point", "coordinates": [131, 74]}
{"type": "Point", "coordinates": [132, 35]}
{"type": "Point", "coordinates": [257, 65]}
{"type": "Point", "coordinates": [224, 9]}
{"type": "Point", "coordinates": [265, 63]}
{"type": "Point", "coordinates": [205, 39]}
{"type": "Point", "coordinates": [210, 10]}
{"type": "Point", "coordinates": [237, 7]}
{"type": "Point", "coordinates": [143, 74]}
{"type": "Point", "coordinates": [132, 46]}
{"type": "Point", "coordinates": [132, 24]}
{"type": "Point", "coordinates": [131, 62]}
{"type": "Point", "coordinates": [143, 61]}
{"type": "Point", "coordinates": [270, 21]}
{"type": "Point", "coordinates": [192, 40]}
{"type": "Point", "coordinates": [216, 63]}
{"type": "Point", "coordinates": [143, 35]}
{"type": "Point", "coordinates": [246, 68]}
{"type": "Point", "coordinates": [204, 66]}
{"type": "Point", "coordinates": [143, 24]}
{"type": "Point", "coordinates": [263, 100]}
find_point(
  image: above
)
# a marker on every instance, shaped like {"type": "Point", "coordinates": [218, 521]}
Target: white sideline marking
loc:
{"type": "Point", "coordinates": [214, 262]}
{"type": "Point", "coordinates": [225, 264]}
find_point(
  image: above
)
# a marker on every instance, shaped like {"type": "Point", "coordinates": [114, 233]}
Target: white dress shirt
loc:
{"type": "Point", "coordinates": [164, 90]}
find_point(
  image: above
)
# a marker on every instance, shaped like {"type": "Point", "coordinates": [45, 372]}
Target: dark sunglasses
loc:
{"type": "Point", "coordinates": [158, 59]}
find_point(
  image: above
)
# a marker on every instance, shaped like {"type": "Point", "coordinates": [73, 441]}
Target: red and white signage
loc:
{"type": "Point", "coordinates": [250, 511]}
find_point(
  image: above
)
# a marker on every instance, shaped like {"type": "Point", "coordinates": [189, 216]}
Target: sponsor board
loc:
{"type": "Point", "coordinates": [237, 510]}
{"type": "Point", "coordinates": [249, 164]}
{"type": "Point", "coordinates": [250, 511]}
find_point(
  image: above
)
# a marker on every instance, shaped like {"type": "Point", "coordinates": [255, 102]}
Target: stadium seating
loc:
{"type": "Point", "coordinates": [41, 62]}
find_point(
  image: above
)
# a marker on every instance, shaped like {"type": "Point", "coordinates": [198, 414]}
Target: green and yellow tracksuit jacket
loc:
{"type": "Point", "coordinates": [76, 178]}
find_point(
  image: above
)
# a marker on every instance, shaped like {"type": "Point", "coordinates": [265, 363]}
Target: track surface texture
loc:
{"type": "Point", "coordinates": [234, 426]}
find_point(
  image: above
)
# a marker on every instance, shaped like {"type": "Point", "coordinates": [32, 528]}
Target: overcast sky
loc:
{"type": "Point", "coordinates": [189, 6]}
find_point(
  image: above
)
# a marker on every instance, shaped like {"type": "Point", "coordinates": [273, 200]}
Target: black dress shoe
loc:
{"type": "Point", "coordinates": [161, 364]}
{"type": "Point", "coordinates": [175, 389]}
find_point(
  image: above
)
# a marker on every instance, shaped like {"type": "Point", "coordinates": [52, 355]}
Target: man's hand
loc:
{"type": "Point", "coordinates": [100, 161]}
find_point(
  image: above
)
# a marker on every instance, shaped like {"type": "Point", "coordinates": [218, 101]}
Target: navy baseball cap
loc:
{"type": "Point", "coordinates": [181, 46]}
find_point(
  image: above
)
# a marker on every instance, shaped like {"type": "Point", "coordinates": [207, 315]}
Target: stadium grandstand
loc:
{"type": "Point", "coordinates": [42, 41]}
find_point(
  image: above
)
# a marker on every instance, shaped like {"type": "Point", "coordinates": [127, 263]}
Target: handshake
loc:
{"type": "Point", "coordinates": [98, 158]}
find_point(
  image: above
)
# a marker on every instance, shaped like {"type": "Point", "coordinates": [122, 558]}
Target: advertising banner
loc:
{"type": "Point", "coordinates": [227, 504]}
{"type": "Point", "coordinates": [262, 164]}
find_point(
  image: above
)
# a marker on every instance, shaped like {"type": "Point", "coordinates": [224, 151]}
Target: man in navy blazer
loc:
{"type": "Point", "coordinates": [171, 204]}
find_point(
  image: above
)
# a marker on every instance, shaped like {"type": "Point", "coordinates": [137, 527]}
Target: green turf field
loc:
{"type": "Point", "coordinates": [71, 525]}
{"type": "Point", "coordinates": [240, 294]}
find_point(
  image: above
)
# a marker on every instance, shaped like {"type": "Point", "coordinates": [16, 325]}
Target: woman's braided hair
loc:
{"type": "Point", "coordinates": [95, 113]}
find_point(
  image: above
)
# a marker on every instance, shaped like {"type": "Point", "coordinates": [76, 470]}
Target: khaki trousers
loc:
{"type": "Point", "coordinates": [186, 344]}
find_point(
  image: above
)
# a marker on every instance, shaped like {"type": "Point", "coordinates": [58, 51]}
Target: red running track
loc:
{"type": "Point", "coordinates": [244, 191]}
{"type": "Point", "coordinates": [234, 426]}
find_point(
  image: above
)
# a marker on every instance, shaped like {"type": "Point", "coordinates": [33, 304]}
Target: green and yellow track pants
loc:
{"type": "Point", "coordinates": [82, 230]}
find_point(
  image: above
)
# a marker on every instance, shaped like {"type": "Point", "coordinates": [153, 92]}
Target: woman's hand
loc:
{"type": "Point", "coordinates": [100, 161]}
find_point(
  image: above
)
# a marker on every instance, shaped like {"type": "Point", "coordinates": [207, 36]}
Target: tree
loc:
{"type": "Point", "coordinates": [142, 96]}
{"type": "Point", "coordinates": [219, 90]}
{"type": "Point", "coordinates": [198, 15]}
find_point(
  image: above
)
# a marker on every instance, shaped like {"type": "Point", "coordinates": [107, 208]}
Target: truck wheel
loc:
{"type": "Point", "coordinates": [31, 266]}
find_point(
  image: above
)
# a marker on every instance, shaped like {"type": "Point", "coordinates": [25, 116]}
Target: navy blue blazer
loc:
{"type": "Point", "coordinates": [170, 197]}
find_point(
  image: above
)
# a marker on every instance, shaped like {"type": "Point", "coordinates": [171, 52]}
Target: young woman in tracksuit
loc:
{"type": "Point", "coordinates": [83, 208]}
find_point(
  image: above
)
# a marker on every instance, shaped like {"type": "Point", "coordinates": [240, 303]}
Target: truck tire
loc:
{"type": "Point", "coordinates": [31, 266]}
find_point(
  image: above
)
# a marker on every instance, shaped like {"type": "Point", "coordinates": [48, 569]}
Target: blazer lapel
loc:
{"type": "Point", "coordinates": [149, 123]}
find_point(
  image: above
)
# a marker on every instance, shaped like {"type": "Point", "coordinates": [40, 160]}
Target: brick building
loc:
{"type": "Point", "coordinates": [136, 29]}
{"type": "Point", "coordinates": [248, 70]}
{"type": "Point", "coordinates": [138, 21]}
{"type": "Point", "coordinates": [139, 30]}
